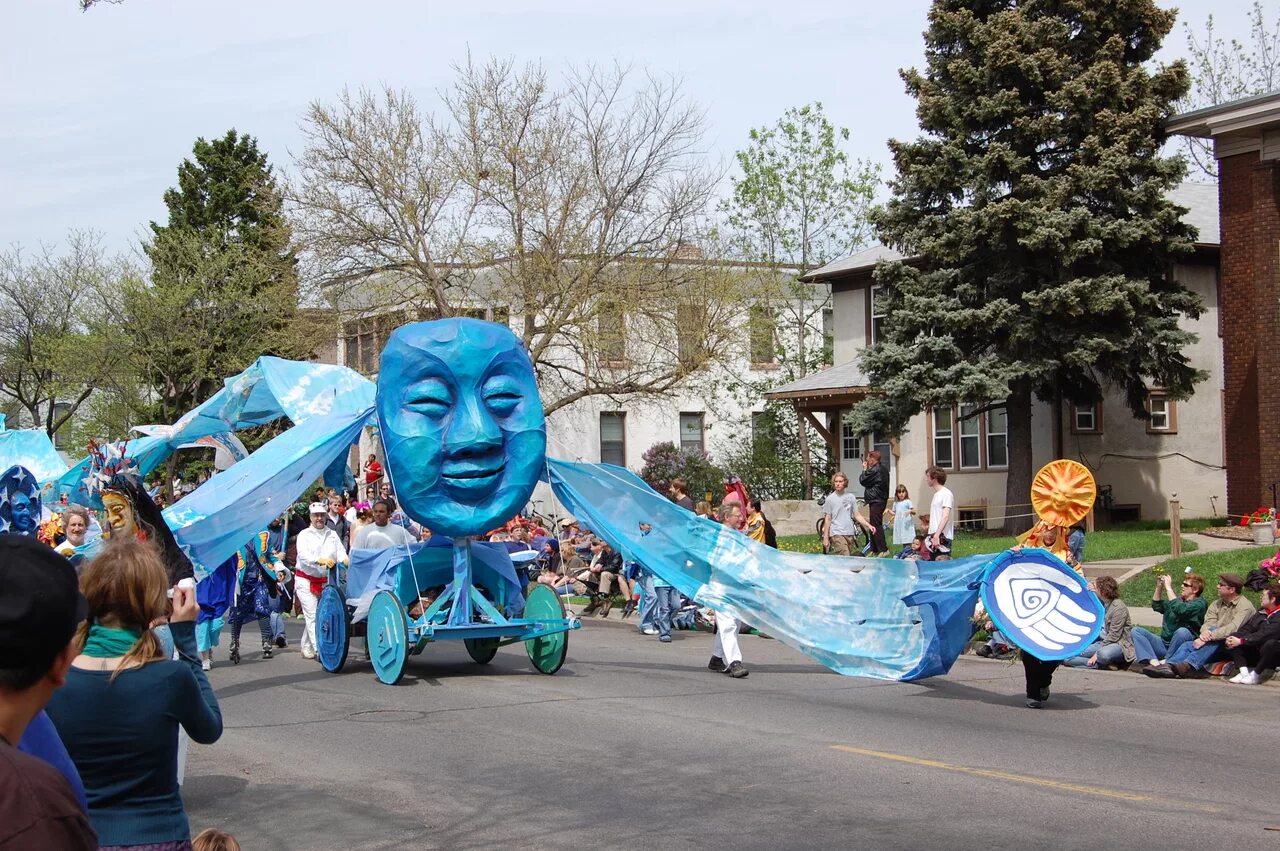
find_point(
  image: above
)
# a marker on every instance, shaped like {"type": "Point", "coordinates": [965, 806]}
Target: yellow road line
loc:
{"type": "Point", "coordinates": [995, 774]}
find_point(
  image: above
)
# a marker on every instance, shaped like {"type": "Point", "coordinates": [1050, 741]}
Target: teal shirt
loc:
{"type": "Point", "coordinates": [122, 735]}
{"type": "Point", "coordinates": [1179, 613]}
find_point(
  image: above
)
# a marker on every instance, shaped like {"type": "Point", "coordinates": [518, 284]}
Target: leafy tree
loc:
{"type": "Point", "coordinates": [765, 454]}
{"type": "Point", "coordinates": [57, 345]}
{"type": "Point", "coordinates": [1034, 214]}
{"type": "Point", "coordinates": [665, 461]}
{"type": "Point", "coordinates": [799, 203]}
{"type": "Point", "coordinates": [570, 208]}
{"type": "Point", "coordinates": [1227, 71]}
{"type": "Point", "coordinates": [223, 285]}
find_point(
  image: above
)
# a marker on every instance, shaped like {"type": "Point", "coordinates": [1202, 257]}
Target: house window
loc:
{"type": "Point", "coordinates": [611, 334]}
{"type": "Point", "coordinates": [877, 313]}
{"type": "Point", "coordinates": [850, 443]}
{"type": "Point", "coordinates": [501, 315]}
{"type": "Point", "coordinates": [1164, 414]}
{"type": "Point", "coordinates": [943, 437]}
{"type": "Point", "coordinates": [828, 336]}
{"type": "Point", "coordinates": [692, 432]}
{"type": "Point", "coordinates": [972, 519]}
{"type": "Point", "coordinates": [613, 438]}
{"type": "Point", "coordinates": [998, 438]}
{"type": "Point", "coordinates": [691, 320]}
{"type": "Point", "coordinates": [761, 327]}
{"type": "Point", "coordinates": [1086, 419]}
{"type": "Point", "coordinates": [970, 438]}
{"type": "Point", "coordinates": [764, 439]}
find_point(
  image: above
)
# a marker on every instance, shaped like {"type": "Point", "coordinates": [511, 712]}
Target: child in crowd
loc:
{"type": "Point", "coordinates": [916, 550]}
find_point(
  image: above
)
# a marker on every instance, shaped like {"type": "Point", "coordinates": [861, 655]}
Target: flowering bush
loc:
{"type": "Point", "coordinates": [1261, 515]}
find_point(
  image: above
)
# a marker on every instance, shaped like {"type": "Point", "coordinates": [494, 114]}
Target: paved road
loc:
{"type": "Point", "coordinates": [635, 744]}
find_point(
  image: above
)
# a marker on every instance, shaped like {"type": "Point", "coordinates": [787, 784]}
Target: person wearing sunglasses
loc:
{"type": "Point", "coordinates": [1183, 616]}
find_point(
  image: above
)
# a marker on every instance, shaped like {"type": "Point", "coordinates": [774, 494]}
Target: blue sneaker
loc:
{"type": "Point", "coordinates": [665, 639]}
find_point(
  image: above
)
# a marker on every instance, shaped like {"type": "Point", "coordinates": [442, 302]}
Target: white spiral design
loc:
{"type": "Point", "coordinates": [1030, 597]}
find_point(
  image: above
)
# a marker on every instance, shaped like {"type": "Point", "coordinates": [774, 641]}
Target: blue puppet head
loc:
{"type": "Point", "coordinates": [19, 502]}
{"type": "Point", "coordinates": [461, 423]}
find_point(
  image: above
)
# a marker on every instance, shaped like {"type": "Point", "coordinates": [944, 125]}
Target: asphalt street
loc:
{"type": "Point", "coordinates": [636, 744]}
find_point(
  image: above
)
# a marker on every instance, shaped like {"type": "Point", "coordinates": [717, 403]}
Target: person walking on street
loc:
{"type": "Point", "coordinates": [840, 512]}
{"type": "Point", "coordinates": [942, 517]}
{"type": "Point", "coordinates": [726, 656]}
{"type": "Point", "coordinates": [875, 483]}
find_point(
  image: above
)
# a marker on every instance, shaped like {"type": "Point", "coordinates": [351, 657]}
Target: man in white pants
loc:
{"type": "Point", "coordinates": [319, 550]}
{"type": "Point", "coordinates": [726, 658]}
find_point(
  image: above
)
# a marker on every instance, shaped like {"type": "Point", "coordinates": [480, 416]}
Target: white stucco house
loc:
{"type": "Point", "coordinates": [1138, 465]}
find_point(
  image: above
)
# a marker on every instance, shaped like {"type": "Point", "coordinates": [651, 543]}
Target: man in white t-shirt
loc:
{"type": "Point", "coordinates": [381, 534]}
{"type": "Point", "coordinates": [942, 514]}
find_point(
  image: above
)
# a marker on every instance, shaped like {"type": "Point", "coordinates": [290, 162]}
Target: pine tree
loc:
{"type": "Point", "coordinates": [223, 287]}
{"type": "Point", "coordinates": [1034, 216]}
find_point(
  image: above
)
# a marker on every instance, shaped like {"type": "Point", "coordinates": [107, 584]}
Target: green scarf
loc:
{"type": "Point", "coordinates": [104, 642]}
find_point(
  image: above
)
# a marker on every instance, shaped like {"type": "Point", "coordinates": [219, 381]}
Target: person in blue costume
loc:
{"type": "Point", "coordinates": [256, 587]}
{"type": "Point", "coordinates": [20, 508]}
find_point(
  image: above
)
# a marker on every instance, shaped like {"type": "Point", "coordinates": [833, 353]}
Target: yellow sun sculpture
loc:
{"type": "Point", "coordinates": [1063, 492]}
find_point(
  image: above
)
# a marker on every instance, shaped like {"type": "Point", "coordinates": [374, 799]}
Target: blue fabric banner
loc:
{"type": "Point", "coordinates": [31, 448]}
{"type": "Point", "coordinates": [884, 618]}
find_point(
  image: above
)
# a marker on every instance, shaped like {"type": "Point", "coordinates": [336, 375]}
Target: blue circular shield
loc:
{"type": "Point", "coordinates": [1040, 604]}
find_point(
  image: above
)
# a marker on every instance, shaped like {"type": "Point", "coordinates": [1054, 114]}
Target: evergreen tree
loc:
{"type": "Point", "coordinates": [1034, 218]}
{"type": "Point", "coordinates": [223, 287]}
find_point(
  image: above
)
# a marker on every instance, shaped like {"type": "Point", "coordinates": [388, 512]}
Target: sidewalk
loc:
{"type": "Point", "coordinates": [1125, 568]}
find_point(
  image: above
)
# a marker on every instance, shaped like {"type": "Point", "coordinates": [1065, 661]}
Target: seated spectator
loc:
{"type": "Point", "coordinates": [1183, 618]}
{"type": "Point", "coordinates": [40, 607]}
{"type": "Point", "coordinates": [605, 569]}
{"type": "Point", "coordinates": [996, 645]}
{"type": "Point", "coordinates": [124, 700]}
{"type": "Point", "coordinates": [1075, 544]}
{"type": "Point", "coordinates": [1255, 647]}
{"type": "Point", "coordinates": [1115, 643]}
{"type": "Point", "coordinates": [916, 550]}
{"type": "Point", "coordinates": [1225, 615]}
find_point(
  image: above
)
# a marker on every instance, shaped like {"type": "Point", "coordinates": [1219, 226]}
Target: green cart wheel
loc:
{"type": "Point", "coordinates": [387, 637]}
{"type": "Point", "coordinates": [333, 637]}
{"type": "Point", "coordinates": [547, 652]}
{"type": "Point", "coordinates": [482, 650]}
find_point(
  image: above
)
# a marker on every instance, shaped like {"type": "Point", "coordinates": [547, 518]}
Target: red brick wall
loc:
{"type": "Point", "coordinates": [1249, 206]}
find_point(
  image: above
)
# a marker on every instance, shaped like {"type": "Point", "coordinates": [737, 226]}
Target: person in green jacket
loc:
{"type": "Point", "coordinates": [1183, 616]}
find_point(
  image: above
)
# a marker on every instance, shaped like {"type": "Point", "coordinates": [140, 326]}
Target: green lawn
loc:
{"type": "Point", "coordinates": [1137, 591]}
{"type": "Point", "coordinates": [1099, 546]}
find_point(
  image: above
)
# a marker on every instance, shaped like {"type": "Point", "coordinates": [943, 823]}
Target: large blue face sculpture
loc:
{"type": "Point", "coordinates": [19, 501]}
{"type": "Point", "coordinates": [461, 423]}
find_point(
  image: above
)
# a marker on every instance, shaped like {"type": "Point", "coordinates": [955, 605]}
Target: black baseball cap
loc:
{"type": "Point", "coordinates": [40, 602]}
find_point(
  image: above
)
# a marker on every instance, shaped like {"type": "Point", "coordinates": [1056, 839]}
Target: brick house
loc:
{"type": "Point", "coordinates": [1246, 141]}
{"type": "Point", "coordinates": [1138, 464]}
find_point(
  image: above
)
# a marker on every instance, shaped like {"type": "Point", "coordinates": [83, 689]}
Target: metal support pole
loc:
{"type": "Point", "coordinates": [1175, 528]}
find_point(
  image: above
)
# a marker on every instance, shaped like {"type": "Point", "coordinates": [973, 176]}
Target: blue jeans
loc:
{"type": "Point", "coordinates": [1108, 654]}
{"type": "Point", "coordinates": [666, 603]}
{"type": "Point", "coordinates": [1151, 646]}
{"type": "Point", "coordinates": [648, 602]}
{"type": "Point", "coordinates": [1196, 657]}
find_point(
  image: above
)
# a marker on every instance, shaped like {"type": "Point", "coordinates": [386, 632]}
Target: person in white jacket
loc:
{"type": "Point", "coordinates": [319, 551]}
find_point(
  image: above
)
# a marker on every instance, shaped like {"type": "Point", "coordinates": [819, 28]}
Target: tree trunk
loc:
{"type": "Point", "coordinates": [1017, 491]}
{"type": "Point", "coordinates": [170, 467]}
{"type": "Point", "coordinates": [805, 466]}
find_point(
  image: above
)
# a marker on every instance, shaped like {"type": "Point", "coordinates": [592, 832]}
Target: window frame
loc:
{"type": "Point", "coordinates": [962, 420]}
{"type": "Point", "coordinates": [759, 315]}
{"type": "Point", "coordinates": [1095, 411]}
{"type": "Point", "coordinates": [953, 438]}
{"type": "Point", "coordinates": [849, 441]}
{"type": "Point", "coordinates": [1170, 412]}
{"type": "Point", "coordinates": [875, 321]}
{"type": "Point", "coordinates": [621, 417]}
{"type": "Point", "coordinates": [702, 429]}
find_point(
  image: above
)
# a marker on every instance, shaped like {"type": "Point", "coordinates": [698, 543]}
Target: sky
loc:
{"type": "Point", "coordinates": [97, 109]}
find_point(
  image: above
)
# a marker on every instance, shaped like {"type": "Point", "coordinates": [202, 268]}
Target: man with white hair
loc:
{"type": "Point", "coordinates": [319, 551]}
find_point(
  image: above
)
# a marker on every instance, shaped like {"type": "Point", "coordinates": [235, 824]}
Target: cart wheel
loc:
{"type": "Point", "coordinates": [482, 650]}
{"type": "Point", "coordinates": [387, 637]}
{"type": "Point", "coordinates": [333, 633]}
{"type": "Point", "coordinates": [547, 652]}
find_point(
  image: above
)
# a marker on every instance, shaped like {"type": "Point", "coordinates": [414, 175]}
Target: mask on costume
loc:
{"type": "Point", "coordinates": [461, 423]}
{"type": "Point", "coordinates": [19, 501]}
{"type": "Point", "coordinates": [120, 516]}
